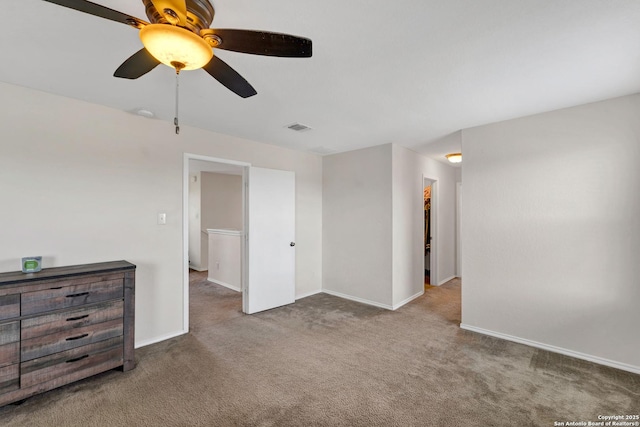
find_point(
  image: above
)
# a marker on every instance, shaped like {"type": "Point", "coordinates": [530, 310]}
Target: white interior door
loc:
{"type": "Point", "coordinates": [270, 273]}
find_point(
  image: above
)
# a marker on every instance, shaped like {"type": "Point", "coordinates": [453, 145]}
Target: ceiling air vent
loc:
{"type": "Point", "coordinates": [298, 127]}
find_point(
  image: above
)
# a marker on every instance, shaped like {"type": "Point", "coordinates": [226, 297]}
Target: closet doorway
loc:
{"type": "Point", "coordinates": [430, 232]}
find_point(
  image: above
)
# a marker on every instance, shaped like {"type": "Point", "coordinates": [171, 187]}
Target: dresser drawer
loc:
{"type": "Point", "coordinates": [9, 306]}
{"type": "Point", "coordinates": [90, 359]}
{"type": "Point", "coordinates": [9, 378]}
{"type": "Point", "coordinates": [9, 343]}
{"type": "Point", "coordinates": [71, 319]}
{"type": "Point", "coordinates": [70, 296]}
{"type": "Point", "coordinates": [63, 324]}
{"type": "Point", "coordinates": [9, 354]}
{"type": "Point", "coordinates": [67, 339]}
{"type": "Point", "coordinates": [9, 332]}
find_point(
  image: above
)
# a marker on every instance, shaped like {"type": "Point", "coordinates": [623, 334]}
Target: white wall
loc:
{"type": "Point", "coordinates": [409, 168]}
{"type": "Point", "coordinates": [196, 260]}
{"type": "Point", "coordinates": [458, 174]}
{"type": "Point", "coordinates": [551, 230]}
{"type": "Point", "coordinates": [373, 222]}
{"type": "Point", "coordinates": [83, 183]}
{"type": "Point", "coordinates": [215, 201]}
{"type": "Point", "coordinates": [357, 225]}
{"type": "Point", "coordinates": [221, 200]}
{"type": "Point", "coordinates": [225, 259]}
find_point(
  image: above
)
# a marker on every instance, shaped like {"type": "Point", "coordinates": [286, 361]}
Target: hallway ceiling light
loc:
{"type": "Point", "coordinates": [454, 157]}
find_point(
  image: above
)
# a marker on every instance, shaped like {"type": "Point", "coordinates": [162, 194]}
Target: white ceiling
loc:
{"type": "Point", "coordinates": [410, 72]}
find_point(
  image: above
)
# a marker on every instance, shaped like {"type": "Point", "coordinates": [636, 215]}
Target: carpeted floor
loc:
{"type": "Point", "coordinates": [325, 361]}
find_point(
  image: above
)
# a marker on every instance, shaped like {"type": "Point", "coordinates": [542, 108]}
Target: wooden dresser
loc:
{"type": "Point", "coordinates": [63, 324]}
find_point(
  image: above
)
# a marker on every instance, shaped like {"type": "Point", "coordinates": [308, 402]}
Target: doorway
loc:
{"type": "Point", "coordinates": [430, 232]}
{"type": "Point", "coordinates": [267, 260]}
{"type": "Point", "coordinates": [214, 210]}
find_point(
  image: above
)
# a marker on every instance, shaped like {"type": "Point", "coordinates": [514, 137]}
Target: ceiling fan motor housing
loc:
{"type": "Point", "coordinates": [178, 34]}
{"type": "Point", "coordinates": [200, 14]}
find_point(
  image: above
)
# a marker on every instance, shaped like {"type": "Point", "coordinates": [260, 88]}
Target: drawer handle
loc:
{"type": "Point", "coordinates": [59, 287]}
{"type": "Point", "coordinates": [78, 337]}
{"type": "Point", "coordinates": [71, 319]}
{"type": "Point", "coordinates": [77, 358]}
{"type": "Point", "coordinates": [78, 295]}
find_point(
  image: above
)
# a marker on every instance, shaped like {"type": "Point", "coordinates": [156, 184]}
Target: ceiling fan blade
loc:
{"type": "Point", "coordinates": [177, 8]}
{"type": "Point", "coordinates": [262, 43]}
{"type": "Point", "coordinates": [137, 65]}
{"type": "Point", "coordinates": [219, 70]}
{"type": "Point", "coordinates": [100, 11]}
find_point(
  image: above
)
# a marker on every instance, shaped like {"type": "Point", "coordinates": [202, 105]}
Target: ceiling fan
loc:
{"type": "Point", "coordinates": [178, 35]}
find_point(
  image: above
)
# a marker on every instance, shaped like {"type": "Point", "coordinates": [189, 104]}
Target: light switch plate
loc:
{"type": "Point", "coordinates": [162, 218]}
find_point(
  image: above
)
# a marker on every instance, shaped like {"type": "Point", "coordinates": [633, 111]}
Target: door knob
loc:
{"type": "Point", "coordinates": [292, 244]}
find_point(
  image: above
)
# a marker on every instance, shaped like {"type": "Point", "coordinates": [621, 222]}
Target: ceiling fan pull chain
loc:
{"type": "Point", "coordinates": [175, 119]}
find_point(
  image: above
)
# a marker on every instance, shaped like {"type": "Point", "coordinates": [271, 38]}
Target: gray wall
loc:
{"type": "Point", "coordinates": [221, 201]}
{"type": "Point", "coordinates": [357, 225]}
{"type": "Point", "coordinates": [373, 224]}
{"type": "Point", "coordinates": [551, 230]}
{"type": "Point", "coordinates": [84, 183]}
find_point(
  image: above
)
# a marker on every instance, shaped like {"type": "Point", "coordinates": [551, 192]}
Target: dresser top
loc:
{"type": "Point", "coordinates": [14, 277]}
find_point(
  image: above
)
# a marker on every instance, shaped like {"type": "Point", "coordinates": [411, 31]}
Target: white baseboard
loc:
{"type": "Point", "coordinates": [158, 339]}
{"type": "Point", "coordinates": [362, 300]}
{"type": "Point", "coordinates": [408, 300]}
{"type": "Point", "coordinates": [442, 282]}
{"type": "Point", "coordinates": [554, 349]}
{"type": "Point", "coordinates": [226, 285]}
{"type": "Point", "coordinates": [308, 294]}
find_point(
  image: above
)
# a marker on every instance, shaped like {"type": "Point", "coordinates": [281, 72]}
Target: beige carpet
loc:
{"type": "Point", "coordinates": [324, 361]}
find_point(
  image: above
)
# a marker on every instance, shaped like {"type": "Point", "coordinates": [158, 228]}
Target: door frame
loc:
{"type": "Point", "coordinates": [433, 259]}
{"type": "Point", "coordinates": [185, 224]}
{"type": "Point", "coordinates": [458, 229]}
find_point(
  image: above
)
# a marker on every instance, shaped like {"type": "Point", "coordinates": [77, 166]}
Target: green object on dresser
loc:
{"type": "Point", "coordinates": [31, 264]}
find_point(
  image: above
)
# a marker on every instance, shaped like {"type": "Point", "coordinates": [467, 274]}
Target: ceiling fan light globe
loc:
{"type": "Point", "coordinates": [170, 44]}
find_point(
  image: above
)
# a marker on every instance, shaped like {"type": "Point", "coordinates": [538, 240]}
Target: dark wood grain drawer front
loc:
{"type": "Point", "coordinates": [91, 358]}
{"type": "Point", "coordinates": [68, 339]}
{"type": "Point", "coordinates": [9, 332]}
{"type": "Point", "coordinates": [63, 324]}
{"type": "Point", "coordinates": [9, 343]}
{"type": "Point", "coordinates": [71, 319]}
{"type": "Point", "coordinates": [9, 378]}
{"type": "Point", "coordinates": [70, 296]}
{"type": "Point", "coordinates": [9, 354]}
{"type": "Point", "coordinates": [9, 306]}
